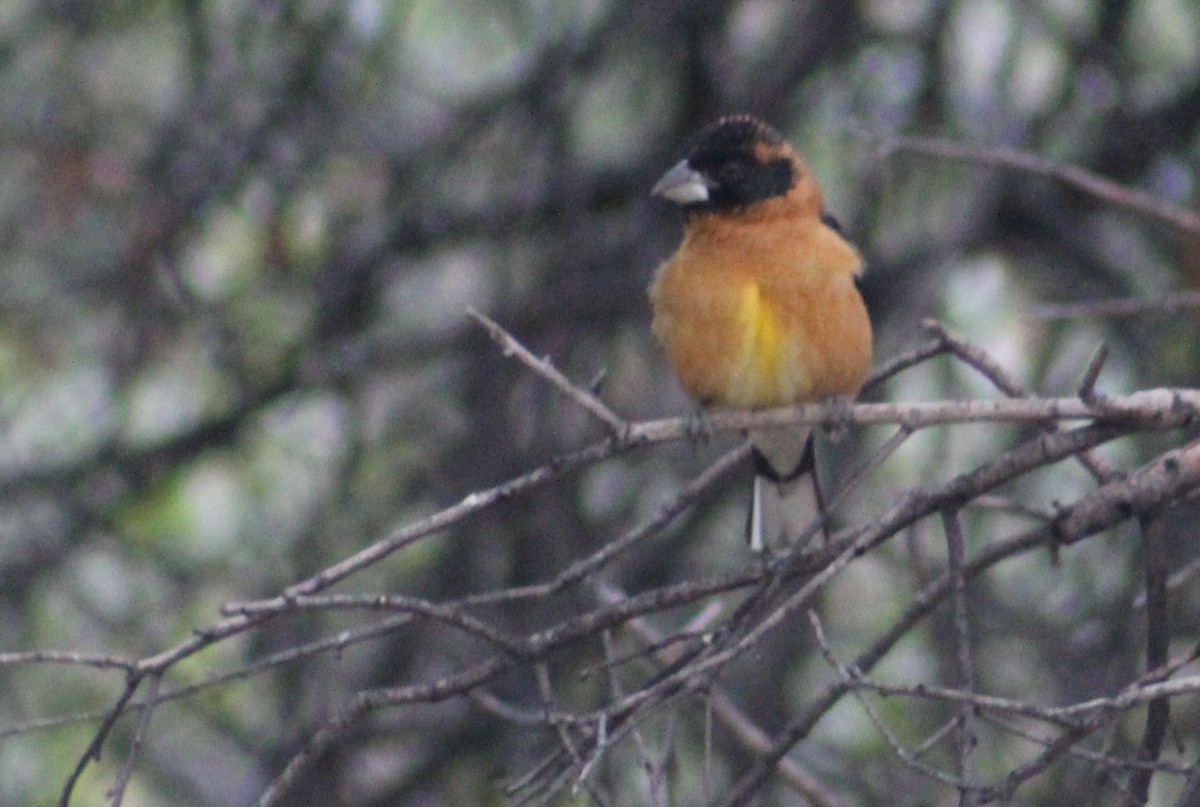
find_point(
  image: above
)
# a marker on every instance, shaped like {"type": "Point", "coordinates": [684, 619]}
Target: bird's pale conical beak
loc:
{"type": "Point", "coordinates": [682, 185]}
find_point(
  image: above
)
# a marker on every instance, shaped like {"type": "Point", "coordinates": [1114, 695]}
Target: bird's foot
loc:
{"type": "Point", "coordinates": [696, 428]}
{"type": "Point", "coordinates": [837, 422]}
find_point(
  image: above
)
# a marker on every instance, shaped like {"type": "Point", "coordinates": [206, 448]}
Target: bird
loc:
{"type": "Point", "coordinates": [759, 306]}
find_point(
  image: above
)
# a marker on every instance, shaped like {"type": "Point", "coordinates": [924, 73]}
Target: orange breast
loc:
{"type": "Point", "coordinates": [762, 313]}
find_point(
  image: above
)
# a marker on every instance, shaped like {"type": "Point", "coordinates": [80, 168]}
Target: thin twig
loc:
{"type": "Point", "coordinates": [849, 676]}
{"type": "Point", "coordinates": [1106, 190]}
{"type": "Point", "coordinates": [1156, 568]}
{"type": "Point", "coordinates": [542, 367]}
{"type": "Point", "coordinates": [645, 758]}
{"type": "Point", "coordinates": [449, 614]}
{"type": "Point", "coordinates": [1165, 305]}
{"type": "Point", "coordinates": [1178, 579]}
{"type": "Point", "coordinates": [117, 793]}
{"type": "Point", "coordinates": [545, 690]}
{"type": "Point", "coordinates": [1145, 490]}
{"type": "Point", "coordinates": [721, 705]}
{"type": "Point", "coordinates": [898, 364]}
{"type": "Point", "coordinates": [978, 359]}
{"type": "Point", "coordinates": [991, 369]}
{"type": "Point", "coordinates": [1100, 757]}
{"type": "Point", "coordinates": [706, 766]}
{"type": "Point", "coordinates": [98, 660]}
{"type": "Point", "coordinates": [586, 567]}
{"type": "Point", "coordinates": [956, 555]}
{"type": "Point", "coordinates": [1136, 694]}
{"type": "Point", "coordinates": [1087, 386]}
{"type": "Point", "coordinates": [92, 752]}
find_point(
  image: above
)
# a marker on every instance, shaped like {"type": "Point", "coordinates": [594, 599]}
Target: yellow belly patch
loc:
{"type": "Point", "coordinates": [762, 348]}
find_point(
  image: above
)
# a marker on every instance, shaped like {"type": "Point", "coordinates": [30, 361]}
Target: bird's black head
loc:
{"type": "Point", "coordinates": [731, 164]}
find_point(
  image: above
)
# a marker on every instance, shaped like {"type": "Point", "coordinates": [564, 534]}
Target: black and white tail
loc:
{"type": "Point", "coordinates": [787, 496]}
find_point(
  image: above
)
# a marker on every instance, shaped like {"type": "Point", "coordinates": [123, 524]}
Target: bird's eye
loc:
{"type": "Point", "coordinates": [733, 168]}
{"type": "Point", "coordinates": [739, 164]}
{"type": "Point", "coordinates": [723, 165]}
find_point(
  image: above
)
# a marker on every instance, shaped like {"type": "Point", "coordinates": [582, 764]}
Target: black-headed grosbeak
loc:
{"type": "Point", "coordinates": [758, 306]}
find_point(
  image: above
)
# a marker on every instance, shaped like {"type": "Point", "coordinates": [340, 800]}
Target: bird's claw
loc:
{"type": "Point", "coordinates": [837, 422]}
{"type": "Point", "coordinates": [696, 427]}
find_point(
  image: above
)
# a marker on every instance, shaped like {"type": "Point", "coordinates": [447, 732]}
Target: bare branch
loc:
{"type": "Point", "coordinates": [1087, 385]}
{"type": "Point", "coordinates": [956, 553]}
{"type": "Point", "coordinates": [542, 367]}
{"type": "Point", "coordinates": [1146, 490]}
{"type": "Point", "coordinates": [1113, 194]}
{"type": "Point", "coordinates": [98, 660]}
{"type": "Point", "coordinates": [117, 793]}
{"type": "Point", "coordinates": [92, 753]}
{"type": "Point", "coordinates": [1176, 301]}
{"type": "Point", "coordinates": [1156, 568]}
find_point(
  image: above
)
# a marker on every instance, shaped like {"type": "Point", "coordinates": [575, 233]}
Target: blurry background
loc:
{"type": "Point", "coordinates": [236, 245]}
